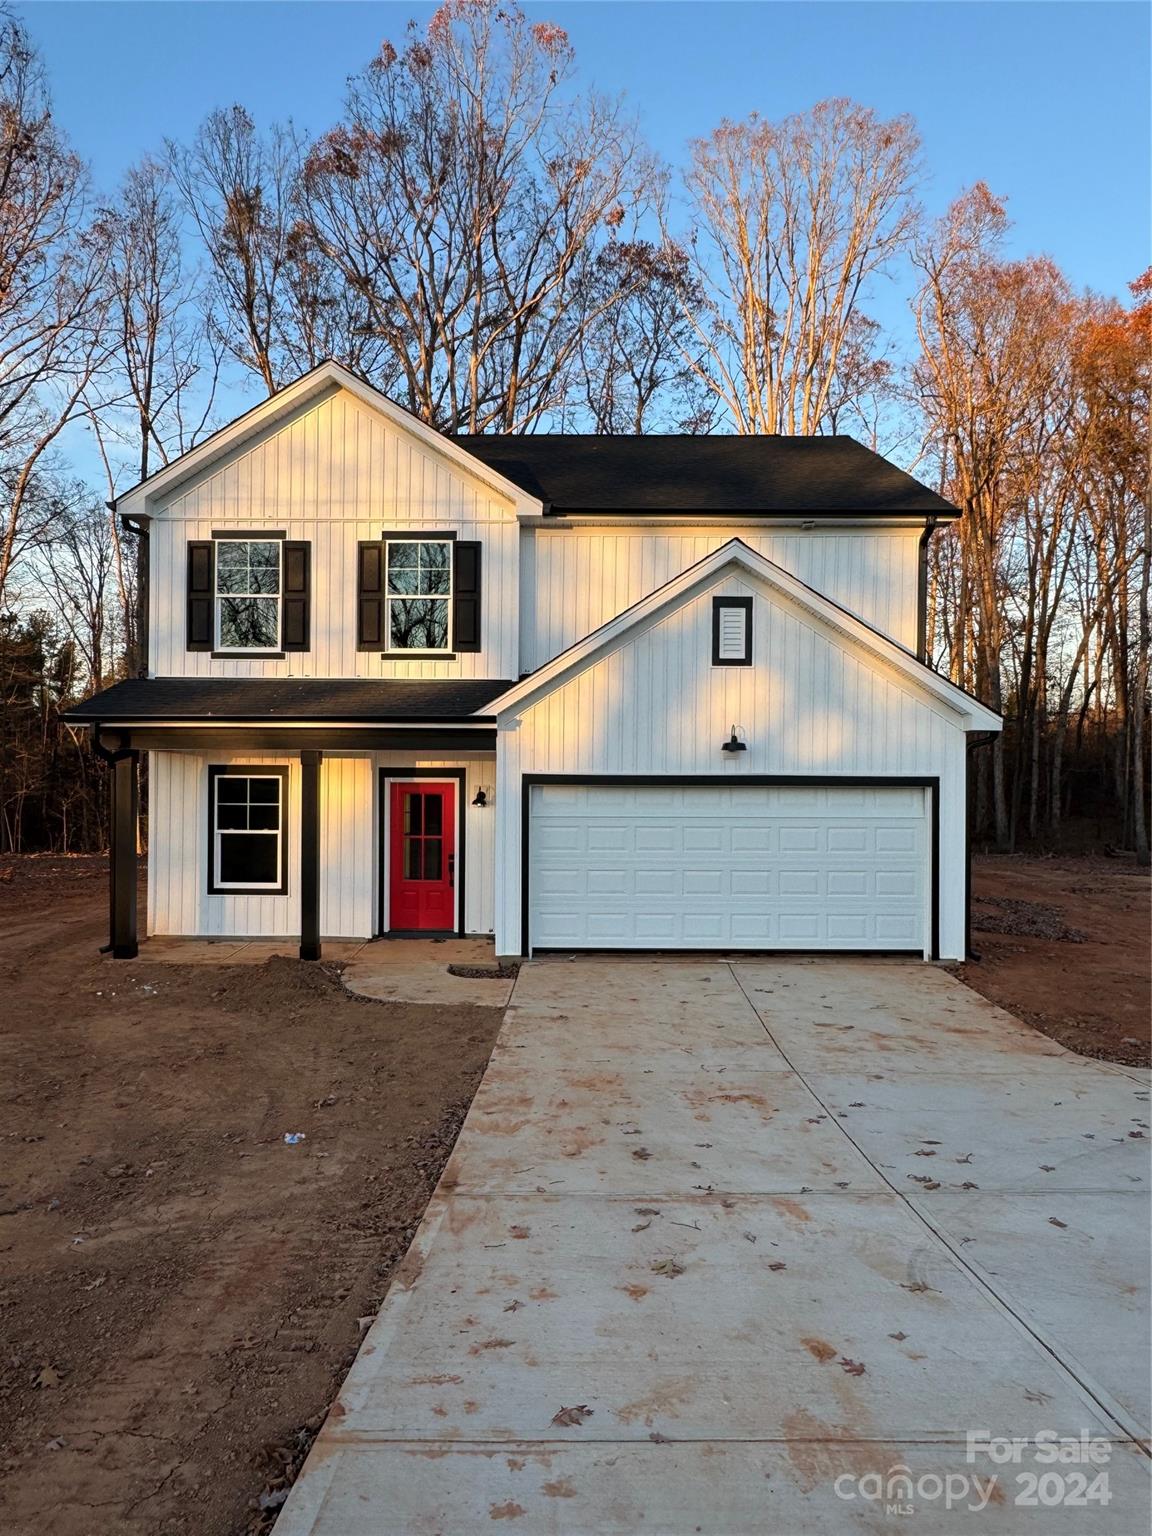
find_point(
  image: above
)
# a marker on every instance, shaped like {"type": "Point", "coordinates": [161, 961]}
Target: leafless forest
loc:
{"type": "Point", "coordinates": [485, 236]}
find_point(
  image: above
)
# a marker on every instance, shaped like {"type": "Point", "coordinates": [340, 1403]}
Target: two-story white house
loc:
{"type": "Point", "coordinates": [655, 693]}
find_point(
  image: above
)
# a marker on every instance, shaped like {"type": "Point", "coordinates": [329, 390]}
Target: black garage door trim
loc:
{"type": "Point", "coordinates": [817, 781]}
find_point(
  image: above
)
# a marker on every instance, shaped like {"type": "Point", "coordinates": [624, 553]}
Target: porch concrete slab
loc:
{"type": "Point", "coordinates": [416, 971]}
{"type": "Point", "coordinates": [174, 951]}
{"type": "Point", "coordinates": [368, 1488]}
{"type": "Point", "coordinates": [701, 1319]}
{"type": "Point", "coordinates": [912, 1017]}
{"type": "Point", "coordinates": [1057, 1125]}
{"type": "Point", "coordinates": [1077, 1268]}
{"type": "Point", "coordinates": [622, 1133]}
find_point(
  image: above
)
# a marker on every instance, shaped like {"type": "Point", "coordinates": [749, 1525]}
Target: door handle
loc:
{"type": "Point", "coordinates": [452, 870]}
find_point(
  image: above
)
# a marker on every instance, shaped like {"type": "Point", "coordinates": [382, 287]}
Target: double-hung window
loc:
{"type": "Point", "coordinates": [246, 830]}
{"type": "Point", "coordinates": [418, 594]}
{"type": "Point", "coordinates": [248, 594]}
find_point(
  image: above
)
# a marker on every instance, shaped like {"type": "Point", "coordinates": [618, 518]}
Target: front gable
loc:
{"type": "Point", "coordinates": [331, 473]}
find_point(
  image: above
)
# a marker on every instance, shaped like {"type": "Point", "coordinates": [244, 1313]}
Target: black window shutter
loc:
{"type": "Point", "coordinates": [370, 596]}
{"type": "Point", "coordinates": [201, 584]}
{"type": "Point", "coordinates": [466, 597]}
{"type": "Point", "coordinates": [296, 620]}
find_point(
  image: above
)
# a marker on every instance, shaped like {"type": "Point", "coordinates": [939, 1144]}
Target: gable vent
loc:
{"type": "Point", "coordinates": [732, 632]}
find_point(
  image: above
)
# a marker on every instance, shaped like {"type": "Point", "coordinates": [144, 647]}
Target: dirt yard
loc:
{"type": "Point", "coordinates": [181, 1291]}
{"type": "Point", "coordinates": [1064, 943]}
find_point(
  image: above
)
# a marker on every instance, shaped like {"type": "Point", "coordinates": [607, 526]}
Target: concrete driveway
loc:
{"type": "Point", "coordinates": [725, 1247]}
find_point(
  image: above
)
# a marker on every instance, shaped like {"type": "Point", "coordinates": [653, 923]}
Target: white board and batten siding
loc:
{"type": "Point", "coordinates": [812, 704]}
{"type": "Point", "coordinates": [574, 579]}
{"type": "Point", "coordinates": [334, 473]}
{"type": "Point", "coordinates": [178, 900]}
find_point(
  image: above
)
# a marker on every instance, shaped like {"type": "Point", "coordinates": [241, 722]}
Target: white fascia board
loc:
{"type": "Point", "coordinates": [687, 585]}
{"type": "Point", "coordinates": [318, 384]}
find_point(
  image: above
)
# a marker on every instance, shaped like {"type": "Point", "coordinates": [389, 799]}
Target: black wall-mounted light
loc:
{"type": "Point", "coordinates": [481, 798]}
{"type": "Point", "coordinates": [734, 744]}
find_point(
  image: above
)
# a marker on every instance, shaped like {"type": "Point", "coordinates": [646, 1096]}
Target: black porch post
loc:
{"type": "Point", "coordinates": [122, 939]}
{"type": "Point", "coordinates": [310, 855]}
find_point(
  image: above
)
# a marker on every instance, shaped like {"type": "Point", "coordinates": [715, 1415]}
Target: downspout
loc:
{"type": "Point", "coordinates": [922, 591]}
{"type": "Point", "coordinates": [140, 526]}
{"type": "Point", "coordinates": [976, 739]}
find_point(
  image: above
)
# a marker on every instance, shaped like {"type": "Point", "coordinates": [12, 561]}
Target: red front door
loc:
{"type": "Point", "coordinates": [422, 857]}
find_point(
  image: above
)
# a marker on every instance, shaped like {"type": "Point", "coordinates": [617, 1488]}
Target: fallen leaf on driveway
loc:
{"type": "Point", "coordinates": [852, 1367]}
{"type": "Point", "coordinates": [1054, 1221]}
{"type": "Point", "coordinates": [520, 1232]}
{"type": "Point", "coordinates": [49, 1376]}
{"type": "Point", "coordinates": [642, 1226]}
{"type": "Point", "coordinates": [775, 1267]}
{"type": "Point", "coordinates": [491, 1344]}
{"type": "Point", "coordinates": [645, 1210]}
{"type": "Point", "coordinates": [670, 1268]}
{"type": "Point", "coordinates": [572, 1418]}
{"type": "Point", "coordinates": [922, 1153]}
{"type": "Point", "coordinates": [899, 1337]}
{"type": "Point", "coordinates": [641, 1154]}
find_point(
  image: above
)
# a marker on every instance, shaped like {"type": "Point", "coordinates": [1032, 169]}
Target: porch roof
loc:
{"type": "Point", "coordinates": [280, 701]}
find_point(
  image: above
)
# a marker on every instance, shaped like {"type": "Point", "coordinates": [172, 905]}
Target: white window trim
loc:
{"type": "Point", "coordinates": [224, 887]}
{"type": "Point", "coordinates": [399, 597]}
{"type": "Point", "coordinates": [218, 597]}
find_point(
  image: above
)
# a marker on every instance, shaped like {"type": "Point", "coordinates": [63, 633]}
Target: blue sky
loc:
{"type": "Point", "coordinates": [1047, 102]}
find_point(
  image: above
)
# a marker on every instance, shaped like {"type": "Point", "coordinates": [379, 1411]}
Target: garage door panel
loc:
{"type": "Point", "coordinates": [778, 867]}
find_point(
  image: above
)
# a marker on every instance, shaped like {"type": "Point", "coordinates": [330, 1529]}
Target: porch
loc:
{"type": "Point", "coordinates": [318, 754]}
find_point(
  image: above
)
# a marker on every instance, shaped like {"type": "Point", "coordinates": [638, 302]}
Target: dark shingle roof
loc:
{"type": "Point", "coordinates": [267, 700]}
{"type": "Point", "coordinates": [814, 476]}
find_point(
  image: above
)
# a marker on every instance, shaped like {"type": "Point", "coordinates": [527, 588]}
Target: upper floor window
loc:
{"type": "Point", "coordinates": [248, 594]}
{"type": "Point", "coordinates": [419, 594]}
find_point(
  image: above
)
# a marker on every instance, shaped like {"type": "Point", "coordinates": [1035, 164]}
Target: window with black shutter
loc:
{"type": "Point", "coordinates": [418, 596]}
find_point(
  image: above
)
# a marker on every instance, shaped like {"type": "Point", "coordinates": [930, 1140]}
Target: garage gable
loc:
{"type": "Point", "coordinates": [811, 698]}
{"type": "Point", "coordinates": [792, 610]}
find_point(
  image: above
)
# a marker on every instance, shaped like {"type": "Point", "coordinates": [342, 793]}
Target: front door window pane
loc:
{"type": "Point", "coordinates": [423, 836]}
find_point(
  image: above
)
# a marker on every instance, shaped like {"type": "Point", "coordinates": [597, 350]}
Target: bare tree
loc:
{"type": "Point", "coordinates": [238, 187]}
{"type": "Point", "coordinates": [161, 356]}
{"type": "Point", "coordinates": [75, 571]}
{"type": "Point", "coordinates": [790, 220]}
{"type": "Point", "coordinates": [633, 375]}
{"type": "Point", "coordinates": [51, 270]}
{"type": "Point", "coordinates": [462, 201]}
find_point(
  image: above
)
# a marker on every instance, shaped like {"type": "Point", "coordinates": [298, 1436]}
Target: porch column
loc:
{"type": "Point", "coordinates": [122, 937]}
{"type": "Point", "coordinates": [310, 855]}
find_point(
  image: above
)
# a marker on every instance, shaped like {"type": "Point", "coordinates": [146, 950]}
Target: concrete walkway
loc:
{"type": "Point", "coordinates": [722, 1245]}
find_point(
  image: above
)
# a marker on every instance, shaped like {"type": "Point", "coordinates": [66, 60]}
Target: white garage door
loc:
{"type": "Point", "coordinates": [733, 866]}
